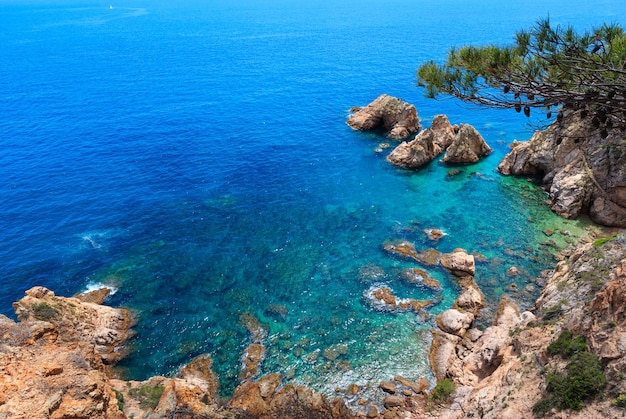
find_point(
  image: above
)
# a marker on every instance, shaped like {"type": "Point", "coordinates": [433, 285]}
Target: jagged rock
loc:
{"type": "Point", "coordinates": [55, 380]}
{"type": "Point", "coordinates": [468, 147]}
{"type": "Point", "coordinates": [268, 385]}
{"type": "Point", "coordinates": [96, 296]}
{"type": "Point", "coordinates": [454, 321]}
{"type": "Point", "coordinates": [458, 262]}
{"type": "Point", "coordinates": [398, 118]}
{"type": "Point", "coordinates": [471, 300]}
{"type": "Point", "coordinates": [417, 153]}
{"type": "Point", "coordinates": [72, 320]}
{"type": "Point", "coordinates": [427, 145]}
{"type": "Point", "coordinates": [582, 171]}
{"type": "Point", "coordinates": [200, 372]}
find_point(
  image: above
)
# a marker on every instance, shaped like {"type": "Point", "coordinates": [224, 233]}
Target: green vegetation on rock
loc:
{"type": "Point", "coordinates": [148, 396]}
{"type": "Point", "coordinates": [582, 380]}
{"type": "Point", "coordinates": [44, 311]}
{"type": "Point", "coordinates": [443, 390]}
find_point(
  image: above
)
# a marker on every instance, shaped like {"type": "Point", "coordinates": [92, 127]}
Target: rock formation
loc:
{"type": "Point", "coordinates": [396, 117]}
{"type": "Point", "coordinates": [499, 372]}
{"type": "Point", "coordinates": [467, 147]}
{"type": "Point", "coordinates": [463, 145]}
{"type": "Point", "coordinates": [583, 172]}
{"type": "Point", "coordinates": [56, 363]}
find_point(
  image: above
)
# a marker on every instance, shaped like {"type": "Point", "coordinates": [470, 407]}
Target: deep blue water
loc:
{"type": "Point", "coordinates": [194, 155]}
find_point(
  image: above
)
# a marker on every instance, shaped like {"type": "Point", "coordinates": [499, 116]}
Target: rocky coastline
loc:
{"type": "Point", "coordinates": [58, 360]}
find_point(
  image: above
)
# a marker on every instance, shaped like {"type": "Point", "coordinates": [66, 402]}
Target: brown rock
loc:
{"type": "Point", "coordinates": [393, 401]}
{"type": "Point", "coordinates": [578, 177]}
{"type": "Point", "coordinates": [253, 356]}
{"type": "Point", "coordinates": [71, 320]}
{"type": "Point", "coordinates": [353, 389]}
{"type": "Point", "coordinates": [454, 322]}
{"type": "Point", "coordinates": [434, 234]}
{"type": "Point", "coordinates": [468, 146]}
{"type": "Point", "coordinates": [401, 248]}
{"type": "Point", "coordinates": [388, 387]}
{"type": "Point", "coordinates": [459, 263]}
{"type": "Point", "coordinates": [52, 369]}
{"type": "Point", "coordinates": [200, 372]}
{"type": "Point", "coordinates": [258, 330]}
{"type": "Point", "coordinates": [389, 113]}
{"type": "Point", "coordinates": [420, 386]}
{"type": "Point", "coordinates": [96, 296]}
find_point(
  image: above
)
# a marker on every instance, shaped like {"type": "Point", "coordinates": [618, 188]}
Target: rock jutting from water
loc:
{"type": "Point", "coordinates": [397, 118]}
{"type": "Point", "coordinates": [462, 145]}
{"type": "Point", "coordinates": [583, 172]}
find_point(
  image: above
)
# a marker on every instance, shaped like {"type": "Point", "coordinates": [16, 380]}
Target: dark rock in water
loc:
{"type": "Point", "coordinates": [383, 298]}
{"type": "Point", "coordinates": [371, 273]}
{"type": "Point", "coordinates": [278, 311]}
{"type": "Point", "coordinates": [420, 277]}
{"type": "Point", "coordinates": [434, 233]}
{"type": "Point", "coordinates": [401, 248]}
{"type": "Point", "coordinates": [398, 118]}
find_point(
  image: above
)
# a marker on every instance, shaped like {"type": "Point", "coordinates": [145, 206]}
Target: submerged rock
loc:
{"type": "Point", "coordinates": [398, 118]}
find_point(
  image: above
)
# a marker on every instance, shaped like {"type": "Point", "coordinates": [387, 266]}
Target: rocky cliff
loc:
{"type": "Point", "coordinates": [583, 168]}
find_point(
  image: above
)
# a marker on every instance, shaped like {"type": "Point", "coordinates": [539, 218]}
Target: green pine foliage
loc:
{"type": "Point", "coordinates": [547, 67]}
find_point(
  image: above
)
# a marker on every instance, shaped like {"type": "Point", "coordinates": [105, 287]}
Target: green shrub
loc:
{"type": "Point", "coordinates": [120, 399]}
{"type": "Point", "coordinates": [584, 381]}
{"type": "Point", "coordinates": [148, 396]}
{"type": "Point", "coordinates": [443, 390]}
{"type": "Point", "coordinates": [567, 345]}
{"type": "Point", "coordinates": [44, 311]}
{"type": "Point", "coordinates": [601, 241]}
{"type": "Point", "coordinates": [620, 401]}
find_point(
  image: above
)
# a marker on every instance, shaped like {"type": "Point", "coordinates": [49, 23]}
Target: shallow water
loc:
{"type": "Point", "coordinates": [194, 156]}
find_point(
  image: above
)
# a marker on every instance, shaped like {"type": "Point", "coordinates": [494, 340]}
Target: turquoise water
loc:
{"type": "Point", "coordinates": [194, 156]}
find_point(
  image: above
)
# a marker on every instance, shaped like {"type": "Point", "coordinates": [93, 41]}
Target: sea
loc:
{"type": "Point", "coordinates": [193, 157]}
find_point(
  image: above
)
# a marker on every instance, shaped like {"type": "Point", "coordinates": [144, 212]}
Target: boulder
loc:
{"type": "Point", "coordinates": [454, 321]}
{"type": "Point", "coordinates": [458, 262]}
{"type": "Point", "coordinates": [468, 147]}
{"type": "Point", "coordinates": [396, 117]}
